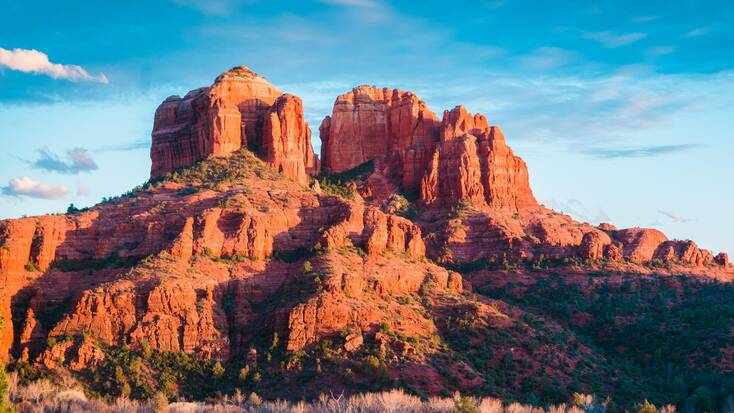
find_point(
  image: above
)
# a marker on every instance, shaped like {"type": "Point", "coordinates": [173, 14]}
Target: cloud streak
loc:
{"type": "Point", "coordinates": [33, 61]}
{"type": "Point", "coordinates": [78, 160]}
{"type": "Point", "coordinates": [578, 210]}
{"type": "Point", "coordinates": [612, 40]}
{"type": "Point", "coordinates": [639, 152]}
{"type": "Point", "coordinates": [139, 144]}
{"type": "Point", "coordinates": [677, 218]}
{"type": "Point", "coordinates": [214, 7]}
{"type": "Point", "coordinates": [546, 58]}
{"type": "Point", "coordinates": [355, 3]}
{"type": "Point", "coordinates": [25, 186]}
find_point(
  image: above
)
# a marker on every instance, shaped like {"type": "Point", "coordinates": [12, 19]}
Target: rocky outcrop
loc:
{"type": "Point", "coordinates": [460, 158]}
{"type": "Point", "coordinates": [685, 252]}
{"type": "Point", "coordinates": [722, 259]}
{"type": "Point", "coordinates": [221, 233]}
{"type": "Point", "coordinates": [640, 244]}
{"type": "Point", "coordinates": [370, 123]}
{"type": "Point", "coordinates": [287, 139]}
{"type": "Point", "coordinates": [473, 163]}
{"type": "Point", "coordinates": [357, 295]}
{"type": "Point", "coordinates": [375, 231]}
{"type": "Point", "coordinates": [392, 233]}
{"type": "Point", "coordinates": [594, 244]}
{"type": "Point", "coordinates": [241, 109]}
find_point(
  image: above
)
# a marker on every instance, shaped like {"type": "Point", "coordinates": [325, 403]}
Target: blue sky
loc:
{"type": "Point", "coordinates": [623, 110]}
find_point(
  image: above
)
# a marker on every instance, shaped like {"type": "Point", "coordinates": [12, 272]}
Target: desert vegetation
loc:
{"type": "Point", "coordinates": [67, 396]}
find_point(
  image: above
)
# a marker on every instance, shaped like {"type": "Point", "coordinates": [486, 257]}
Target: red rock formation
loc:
{"type": "Point", "coordinates": [685, 252]}
{"type": "Point", "coordinates": [344, 305]}
{"type": "Point", "coordinates": [474, 164]}
{"type": "Point", "coordinates": [460, 158]}
{"type": "Point", "coordinates": [185, 268]}
{"type": "Point", "coordinates": [640, 243]}
{"type": "Point", "coordinates": [594, 244]}
{"type": "Point", "coordinates": [392, 233]}
{"type": "Point", "coordinates": [722, 259]}
{"type": "Point", "coordinates": [238, 110]}
{"type": "Point", "coordinates": [370, 123]}
{"type": "Point", "coordinates": [287, 139]}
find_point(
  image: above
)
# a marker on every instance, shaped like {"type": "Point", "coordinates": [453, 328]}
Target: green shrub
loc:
{"type": "Point", "coordinates": [31, 267]}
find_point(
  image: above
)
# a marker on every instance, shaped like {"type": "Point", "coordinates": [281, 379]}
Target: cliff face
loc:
{"type": "Point", "coordinates": [218, 260]}
{"type": "Point", "coordinates": [241, 109]}
{"type": "Point", "coordinates": [472, 162]}
{"type": "Point", "coordinates": [370, 123]}
{"type": "Point", "coordinates": [460, 158]}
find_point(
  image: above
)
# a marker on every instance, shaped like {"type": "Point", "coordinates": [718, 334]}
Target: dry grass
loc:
{"type": "Point", "coordinates": [67, 396]}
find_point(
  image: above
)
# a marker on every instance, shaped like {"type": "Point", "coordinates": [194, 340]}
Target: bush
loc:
{"type": "Point", "coordinates": [31, 267]}
{"type": "Point", "coordinates": [646, 407]}
{"type": "Point", "coordinates": [465, 404]}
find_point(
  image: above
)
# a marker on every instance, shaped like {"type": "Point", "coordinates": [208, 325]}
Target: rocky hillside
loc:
{"type": "Point", "coordinates": [413, 254]}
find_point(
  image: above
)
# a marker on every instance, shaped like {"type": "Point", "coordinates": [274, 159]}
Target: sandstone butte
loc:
{"type": "Point", "coordinates": [230, 243]}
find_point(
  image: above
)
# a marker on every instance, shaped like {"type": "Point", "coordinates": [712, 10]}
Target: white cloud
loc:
{"type": "Point", "coordinates": [33, 61]}
{"type": "Point", "coordinates": [25, 186]}
{"type": "Point", "coordinates": [612, 40]}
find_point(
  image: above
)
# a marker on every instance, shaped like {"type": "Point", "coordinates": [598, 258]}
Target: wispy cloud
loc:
{"type": "Point", "coordinates": [639, 152]}
{"type": "Point", "coordinates": [77, 160]}
{"type": "Point", "coordinates": [660, 50]}
{"type": "Point", "coordinates": [546, 58]}
{"type": "Point", "coordinates": [143, 143]}
{"type": "Point", "coordinates": [578, 210]}
{"type": "Point", "coordinates": [25, 186]}
{"type": "Point", "coordinates": [214, 7]}
{"type": "Point", "coordinates": [643, 19]}
{"type": "Point", "coordinates": [698, 32]}
{"type": "Point", "coordinates": [357, 3]}
{"type": "Point", "coordinates": [677, 218]}
{"type": "Point", "coordinates": [612, 40]}
{"type": "Point", "coordinates": [33, 61]}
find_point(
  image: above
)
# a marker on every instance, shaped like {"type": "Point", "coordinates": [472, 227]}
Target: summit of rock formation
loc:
{"type": "Point", "coordinates": [369, 123]}
{"type": "Point", "coordinates": [458, 158]}
{"type": "Point", "coordinates": [418, 257]}
{"type": "Point", "coordinates": [241, 109]}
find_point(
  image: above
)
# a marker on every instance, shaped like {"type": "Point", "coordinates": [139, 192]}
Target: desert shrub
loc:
{"type": "Point", "coordinates": [31, 267]}
{"type": "Point", "coordinates": [465, 404]}
{"type": "Point", "coordinates": [339, 183]}
{"type": "Point", "coordinates": [646, 407]}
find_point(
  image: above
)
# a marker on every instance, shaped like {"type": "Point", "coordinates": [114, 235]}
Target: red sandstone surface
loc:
{"type": "Point", "coordinates": [193, 266]}
{"type": "Point", "coordinates": [241, 109]}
